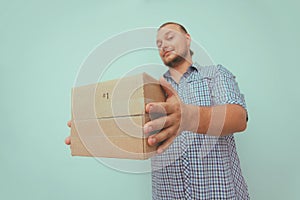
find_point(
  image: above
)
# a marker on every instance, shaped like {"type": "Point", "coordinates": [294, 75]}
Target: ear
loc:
{"type": "Point", "coordinates": [188, 39]}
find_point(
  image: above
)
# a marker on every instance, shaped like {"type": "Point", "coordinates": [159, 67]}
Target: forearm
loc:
{"type": "Point", "coordinates": [216, 120]}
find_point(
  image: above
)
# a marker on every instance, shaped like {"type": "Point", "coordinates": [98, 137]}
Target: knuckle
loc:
{"type": "Point", "coordinates": [163, 136]}
{"type": "Point", "coordinates": [169, 133]}
{"type": "Point", "coordinates": [167, 122]}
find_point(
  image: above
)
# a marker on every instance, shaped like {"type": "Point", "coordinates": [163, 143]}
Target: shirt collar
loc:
{"type": "Point", "coordinates": [191, 68]}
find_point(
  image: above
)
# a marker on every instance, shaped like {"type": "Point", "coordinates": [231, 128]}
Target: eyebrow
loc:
{"type": "Point", "coordinates": [167, 33]}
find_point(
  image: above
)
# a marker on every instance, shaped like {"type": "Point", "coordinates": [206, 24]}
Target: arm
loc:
{"type": "Point", "coordinates": [217, 120]}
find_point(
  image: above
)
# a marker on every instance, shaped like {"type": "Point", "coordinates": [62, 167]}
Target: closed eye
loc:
{"type": "Point", "coordinates": [170, 37]}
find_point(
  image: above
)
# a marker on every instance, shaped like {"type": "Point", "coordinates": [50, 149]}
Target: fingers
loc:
{"type": "Point", "coordinates": [159, 107]}
{"type": "Point", "coordinates": [172, 102]}
{"type": "Point", "coordinates": [169, 125]}
{"type": "Point", "coordinates": [157, 124]}
{"type": "Point", "coordinates": [165, 144]}
{"type": "Point", "coordinates": [165, 134]}
{"type": "Point", "coordinates": [164, 138]}
{"type": "Point", "coordinates": [68, 140]}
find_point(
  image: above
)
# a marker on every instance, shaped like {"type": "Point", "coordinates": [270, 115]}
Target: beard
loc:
{"type": "Point", "coordinates": [177, 60]}
{"type": "Point", "coordinates": [174, 62]}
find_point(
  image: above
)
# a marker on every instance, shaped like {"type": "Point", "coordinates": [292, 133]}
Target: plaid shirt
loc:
{"type": "Point", "coordinates": [197, 166]}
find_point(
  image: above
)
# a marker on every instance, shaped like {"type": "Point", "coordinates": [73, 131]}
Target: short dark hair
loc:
{"type": "Point", "coordinates": [180, 26]}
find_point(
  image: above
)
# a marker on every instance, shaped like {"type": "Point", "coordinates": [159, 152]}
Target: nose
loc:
{"type": "Point", "coordinates": [164, 46]}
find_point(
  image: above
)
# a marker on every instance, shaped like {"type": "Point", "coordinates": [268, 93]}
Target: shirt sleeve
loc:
{"type": "Point", "coordinates": [225, 89]}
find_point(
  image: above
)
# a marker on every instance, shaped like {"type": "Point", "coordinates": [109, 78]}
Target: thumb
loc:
{"type": "Point", "coordinates": [167, 87]}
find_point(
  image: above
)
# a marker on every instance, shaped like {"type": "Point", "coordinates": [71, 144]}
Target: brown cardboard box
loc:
{"type": "Point", "coordinates": [108, 117]}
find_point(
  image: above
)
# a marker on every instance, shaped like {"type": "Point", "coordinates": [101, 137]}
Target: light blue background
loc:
{"type": "Point", "coordinates": [43, 43]}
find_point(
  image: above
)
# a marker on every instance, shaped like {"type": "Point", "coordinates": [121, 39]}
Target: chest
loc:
{"type": "Point", "coordinates": [194, 90]}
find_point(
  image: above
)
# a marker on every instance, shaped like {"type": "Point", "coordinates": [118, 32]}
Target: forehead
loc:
{"type": "Point", "coordinates": [170, 28]}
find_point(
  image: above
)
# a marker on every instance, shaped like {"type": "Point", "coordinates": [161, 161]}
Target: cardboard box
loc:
{"type": "Point", "coordinates": [108, 117]}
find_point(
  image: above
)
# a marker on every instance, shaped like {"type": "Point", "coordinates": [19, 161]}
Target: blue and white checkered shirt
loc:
{"type": "Point", "coordinates": [197, 166]}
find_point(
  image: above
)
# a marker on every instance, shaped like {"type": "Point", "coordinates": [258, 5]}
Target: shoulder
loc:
{"type": "Point", "coordinates": [213, 71]}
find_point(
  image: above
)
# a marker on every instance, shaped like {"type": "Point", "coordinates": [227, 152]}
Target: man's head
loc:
{"type": "Point", "coordinates": [173, 42]}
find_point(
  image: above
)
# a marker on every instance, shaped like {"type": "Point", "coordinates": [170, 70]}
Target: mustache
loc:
{"type": "Point", "coordinates": [167, 51]}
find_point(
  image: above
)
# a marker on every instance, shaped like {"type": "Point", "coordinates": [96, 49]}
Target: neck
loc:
{"type": "Point", "coordinates": [178, 70]}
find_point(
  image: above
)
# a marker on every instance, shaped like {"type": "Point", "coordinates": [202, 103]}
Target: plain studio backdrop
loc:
{"type": "Point", "coordinates": [44, 43]}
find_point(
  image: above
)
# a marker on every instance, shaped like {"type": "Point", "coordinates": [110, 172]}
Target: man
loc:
{"type": "Point", "coordinates": [197, 157]}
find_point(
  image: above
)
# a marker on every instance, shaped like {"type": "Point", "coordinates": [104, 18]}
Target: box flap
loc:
{"type": "Point", "coordinates": [121, 97]}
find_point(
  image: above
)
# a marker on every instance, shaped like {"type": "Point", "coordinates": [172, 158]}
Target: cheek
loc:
{"type": "Point", "coordinates": [181, 48]}
{"type": "Point", "coordinates": [177, 46]}
{"type": "Point", "coordinates": [178, 49]}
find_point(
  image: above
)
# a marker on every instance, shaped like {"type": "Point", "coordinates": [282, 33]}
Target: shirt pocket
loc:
{"type": "Point", "coordinates": [198, 92]}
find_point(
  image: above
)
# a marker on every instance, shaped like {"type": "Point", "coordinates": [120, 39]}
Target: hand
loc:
{"type": "Point", "coordinates": [68, 139]}
{"type": "Point", "coordinates": [170, 125]}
